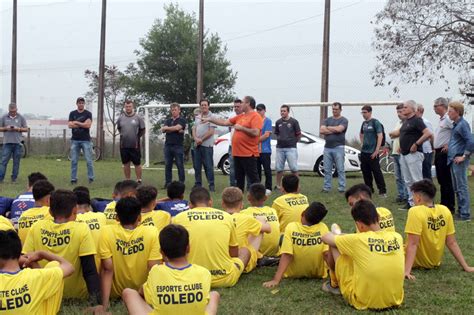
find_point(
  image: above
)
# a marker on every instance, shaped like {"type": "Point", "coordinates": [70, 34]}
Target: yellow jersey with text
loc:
{"type": "Point", "coordinates": [156, 218]}
{"type": "Point", "coordinates": [270, 242]}
{"type": "Point", "coordinates": [289, 208]}
{"type": "Point", "coordinates": [386, 220]}
{"type": "Point", "coordinates": [32, 291]}
{"type": "Point", "coordinates": [433, 225]}
{"type": "Point", "coordinates": [110, 214]}
{"type": "Point", "coordinates": [377, 263]}
{"type": "Point", "coordinates": [304, 242]}
{"type": "Point", "coordinates": [171, 290]}
{"type": "Point", "coordinates": [130, 250]}
{"type": "Point", "coordinates": [70, 240]}
{"type": "Point", "coordinates": [5, 224]}
{"type": "Point", "coordinates": [95, 221]}
{"type": "Point", "coordinates": [29, 217]}
{"type": "Point", "coordinates": [245, 225]}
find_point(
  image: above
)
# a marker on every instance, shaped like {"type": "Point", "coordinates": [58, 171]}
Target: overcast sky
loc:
{"type": "Point", "coordinates": [274, 46]}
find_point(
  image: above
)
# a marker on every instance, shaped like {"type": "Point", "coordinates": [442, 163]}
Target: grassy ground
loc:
{"type": "Point", "coordinates": [446, 290]}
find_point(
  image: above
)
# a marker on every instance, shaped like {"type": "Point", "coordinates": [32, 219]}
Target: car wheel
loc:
{"type": "Point", "coordinates": [319, 168]}
{"type": "Point", "coordinates": [225, 165]}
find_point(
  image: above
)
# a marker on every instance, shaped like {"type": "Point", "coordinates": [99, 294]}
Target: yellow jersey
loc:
{"type": "Point", "coordinates": [386, 220]}
{"type": "Point", "coordinates": [95, 221]}
{"type": "Point", "coordinates": [211, 232]}
{"type": "Point", "coordinates": [30, 216]}
{"type": "Point", "coordinates": [171, 290]}
{"type": "Point", "coordinates": [245, 225]}
{"type": "Point", "coordinates": [32, 291]}
{"type": "Point", "coordinates": [70, 240]}
{"type": "Point", "coordinates": [156, 218]}
{"type": "Point", "coordinates": [433, 225]}
{"type": "Point", "coordinates": [289, 208]}
{"type": "Point", "coordinates": [5, 224]}
{"type": "Point", "coordinates": [304, 242]}
{"type": "Point", "coordinates": [270, 242]}
{"type": "Point", "coordinates": [110, 214]}
{"type": "Point", "coordinates": [130, 251]}
{"type": "Point", "coordinates": [377, 263]}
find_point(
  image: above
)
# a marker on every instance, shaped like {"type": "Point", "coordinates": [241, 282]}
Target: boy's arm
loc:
{"type": "Point", "coordinates": [330, 239]}
{"type": "Point", "coordinates": [91, 277]}
{"type": "Point", "coordinates": [106, 277]}
{"type": "Point", "coordinates": [285, 260]}
{"type": "Point", "coordinates": [456, 252]}
{"type": "Point", "coordinates": [266, 228]}
{"type": "Point", "coordinates": [412, 245]}
{"type": "Point", "coordinates": [151, 263]}
{"type": "Point", "coordinates": [33, 257]}
{"type": "Point", "coordinates": [234, 251]}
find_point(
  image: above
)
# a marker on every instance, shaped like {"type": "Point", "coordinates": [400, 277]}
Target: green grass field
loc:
{"type": "Point", "coordinates": [446, 290]}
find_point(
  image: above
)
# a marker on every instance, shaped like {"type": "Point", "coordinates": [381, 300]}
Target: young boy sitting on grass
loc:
{"type": "Point", "coordinates": [429, 228]}
{"type": "Point", "coordinates": [128, 251]}
{"type": "Point", "coordinates": [71, 240]}
{"type": "Point", "coordinates": [30, 291]}
{"type": "Point", "coordinates": [249, 230]}
{"type": "Point", "coordinates": [302, 250]}
{"type": "Point", "coordinates": [126, 188]}
{"type": "Point", "coordinates": [290, 205]}
{"type": "Point", "coordinates": [176, 287]}
{"type": "Point", "coordinates": [368, 266]}
{"type": "Point", "coordinates": [174, 203]}
{"type": "Point", "coordinates": [42, 190]}
{"type": "Point", "coordinates": [146, 195]}
{"type": "Point", "coordinates": [257, 197]}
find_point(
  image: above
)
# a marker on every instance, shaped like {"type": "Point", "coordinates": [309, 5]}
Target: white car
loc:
{"type": "Point", "coordinates": [310, 154]}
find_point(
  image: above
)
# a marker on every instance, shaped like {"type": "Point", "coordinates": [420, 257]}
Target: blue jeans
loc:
{"type": "Point", "coordinates": [401, 188]}
{"type": "Point", "coordinates": [461, 188]}
{"type": "Point", "coordinates": [203, 157]}
{"type": "Point", "coordinates": [427, 163]}
{"type": "Point", "coordinates": [10, 150]}
{"type": "Point", "coordinates": [86, 147]}
{"type": "Point", "coordinates": [333, 156]}
{"type": "Point", "coordinates": [174, 152]}
{"type": "Point", "coordinates": [289, 155]}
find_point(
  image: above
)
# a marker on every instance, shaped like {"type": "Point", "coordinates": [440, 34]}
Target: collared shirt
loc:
{"type": "Point", "coordinates": [442, 133]}
{"type": "Point", "coordinates": [461, 141]}
{"type": "Point", "coordinates": [18, 122]}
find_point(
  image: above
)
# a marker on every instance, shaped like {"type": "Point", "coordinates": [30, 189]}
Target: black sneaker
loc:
{"type": "Point", "coordinates": [73, 181]}
{"type": "Point", "coordinates": [406, 207]}
{"type": "Point", "coordinates": [91, 180]}
{"type": "Point", "coordinates": [266, 261]}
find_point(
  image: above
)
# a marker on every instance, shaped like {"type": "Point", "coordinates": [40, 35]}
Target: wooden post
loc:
{"type": "Point", "coordinates": [14, 53]}
{"type": "Point", "coordinates": [200, 59]}
{"type": "Point", "coordinates": [325, 67]}
{"type": "Point", "coordinates": [100, 103]}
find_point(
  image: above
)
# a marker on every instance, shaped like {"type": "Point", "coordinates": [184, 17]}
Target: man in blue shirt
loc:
{"type": "Point", "coordinates": [265, 148]}
{"type": "Point", "coordinates": [460, 147]}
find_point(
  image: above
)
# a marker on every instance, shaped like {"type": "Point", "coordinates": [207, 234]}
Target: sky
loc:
{"type": "Point", "coordinates": [274, 46]}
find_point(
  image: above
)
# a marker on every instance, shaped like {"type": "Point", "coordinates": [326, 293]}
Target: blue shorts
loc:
{"type": "Point", "coordinates": [286, 154]}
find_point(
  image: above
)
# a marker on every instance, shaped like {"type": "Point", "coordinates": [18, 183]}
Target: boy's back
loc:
{"type": "Point", "coordinates": [110, 214]}
{"type": "Point", "coordinates": [159, 219]}
{"type": "Point", "coordinates": [178, 290]}
{"type": "Point", "coordinates": [245, 226]}
{"type": "Point", "coordinates": [29, 217]}
{"type": "Point", "coordinates": [289, 208]}
{"type": "Point", "coordinates": [21, 203]}
{"type": "Point", "coordinates": [269, 246]}
{"type": "Point", "coordinates": [95, 221]}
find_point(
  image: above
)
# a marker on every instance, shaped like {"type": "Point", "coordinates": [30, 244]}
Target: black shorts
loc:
{"type": "Point", "coordinates": [130, 155]}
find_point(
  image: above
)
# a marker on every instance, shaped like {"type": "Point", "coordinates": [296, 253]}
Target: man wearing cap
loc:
{"type": "Point", "coordinates": [12, 125]}
{"type": "Point", "coordinates": [80, 121]}
{"type": "Point", "coordinates": [265, 149]}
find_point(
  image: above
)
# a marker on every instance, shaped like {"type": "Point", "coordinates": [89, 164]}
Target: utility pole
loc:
{"type": "Point", "coordinates": [100, 103]}
{"type": "Point", "coordinates": [14, 54]}
{"type": "Point", "coordinates": [325, 68]}
{"type": "Point", "coordinates": [200, 59]}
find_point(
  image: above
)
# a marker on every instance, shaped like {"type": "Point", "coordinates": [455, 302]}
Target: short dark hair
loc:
{"type": "Point", "coordinates": [337, 104]}
{"type": "Point", "coordinates": [290, 183]}
{"type": "Point", "coordinates": [261, 106]}
{"type": "Point", "coordinates": [81, 188]}
{"type": "Point", "coordinates": [425, 187]}
{"type": "Point", "coordinates": [42, 188]}
{"type": "Point", "coordinates": [175, 190]}
{"type": "Point", "coordinates": [257, 191]}
{"type": "Point", "coordinates": [62, 203]}
{"type": "Point", "coordinates": [10, 245]}
{"type": "Point", "coordinates": [34, 177]}
{"type": "Point", "coordinates": [364, 211]}
{"type": "Point", "coordinates": [357, 190]}
{"type": "Point", "coordinates": [128, 209]}
{"type": "Point", "coordinates": [367, 108]}
{"type": "Point", "coordinates": [285, 106]}
{"type": "Point", "coordinates": [128, 186]}
{"type": "Point", "coordinates": [205, 100]}
{"type": "Point", "coordinates": [315, 213]}
{"type": "Point", "coordinates": [174, 239]}
{"type": "Point", "coordinates": [251, 101]}
{"type": "Point", "coordinates": [80, 99]}
{"type": "Point", "coordinates": [146, 194]}
{"type": "Point", "coordinates": [199, 195]}
{"type": "Point", "coordinates": [83, 197]}
{"type": "Point", "coordinates": [129, 101]}
{"type": "Point", "coordinates": [117, 187]}
{"type": "Point", "coordinates": [237, 100]}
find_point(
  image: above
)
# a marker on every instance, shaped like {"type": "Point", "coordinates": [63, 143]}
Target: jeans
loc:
{"type": "Point", "coordinates": [371, 170]}
{"type": "Point", "coordinates": [174, 152]}
{"type": "Point", "coordinates": [461, 188]}
{"type": "Point", "coordinates": [86, 147]}
{"type": "Point", "coordinates": [231, 169]}
{"type": "Point", "coordinates": [411, 165]}
{"type": "Point", "coordinates": [264, 161]}
{"type": "Point", "coordinates": [245, 167]}
{"type": "Point", "coordinates": [426, 165]}
{"type": "Point", "coordinates": [286, 154]}
{"type": "Point", "coordinates": [10, 150]}
{"type": "Point", "coordinates": [443, 174]}
{"type": "Point", "coordinates": [333, 156]}
{"type": "Point", "coordinates": [401, 188]}
{"type": "Point", "coordinates": [203, 157]}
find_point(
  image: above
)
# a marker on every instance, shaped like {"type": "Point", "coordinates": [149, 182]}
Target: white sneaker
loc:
{"type": "Point", "coordinates": [268, 192]}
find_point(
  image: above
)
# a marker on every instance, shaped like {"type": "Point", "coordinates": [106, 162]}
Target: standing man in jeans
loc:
{"type": "Point", "coordinates": [334, 131]}
{"type": "Point", "coordinates": [265, 149]}
{"type": "Point", "coordinates": [402, 197]}
{"type": "Point", "coordinates": [12, 124]}
{"type": "Point", "coordinates": [80, 121]}
{"type": "Point", "coordinates": [371, 136]}
{"type": "Point", "coordinates": [237, 111]}
{"type": "Point", "coordinates": [460, 147]}
{"type": "Point", "coordinates": [288, 132]}
{"type": "Point", "coordinates": [203, 135]}
{"type": "Point", "coordinates": [174, 128]}
{"type": "Point", "coordinates": [427, 145]}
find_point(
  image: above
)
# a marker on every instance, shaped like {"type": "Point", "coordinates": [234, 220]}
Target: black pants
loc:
{"type": "Point", "coordinates": [371, 170]}
{"type": "Point", "coordinates": [444, 179]}
{"type": "Point", "coordinates": [245, 166]}
{"type": "Point", "coordinates": [264, 161]}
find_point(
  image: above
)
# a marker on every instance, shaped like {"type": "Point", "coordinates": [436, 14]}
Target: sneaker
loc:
{"type": "Point", "coordinates": [268, 192]}
{"type": "Point", "coordinates": [278, 188]}
{"type": "Point", "coordinates": [139, 181]}
{"type": "Point", "coordinates": [406, 207]}
{"type": "Point", "coordinates": [91, 180]}
{"type": "Point", "coordinates": [324, 191]}
{"type": "Point", "coordinates": [459, 219]}
{"type": "Point", "coordinates": [328, 288]}
{"type": "Point", "coordinates": [73, 181]}
{"type": "Point", "coordinates": [266, 261]}
{"type": "Point", "coordinates": [336, 229]}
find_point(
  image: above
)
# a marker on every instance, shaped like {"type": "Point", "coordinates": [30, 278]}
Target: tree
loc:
{"type": "Point", "coordinates": [418, 41]}
{"type": "Point", "coordinates": [115, 94]}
